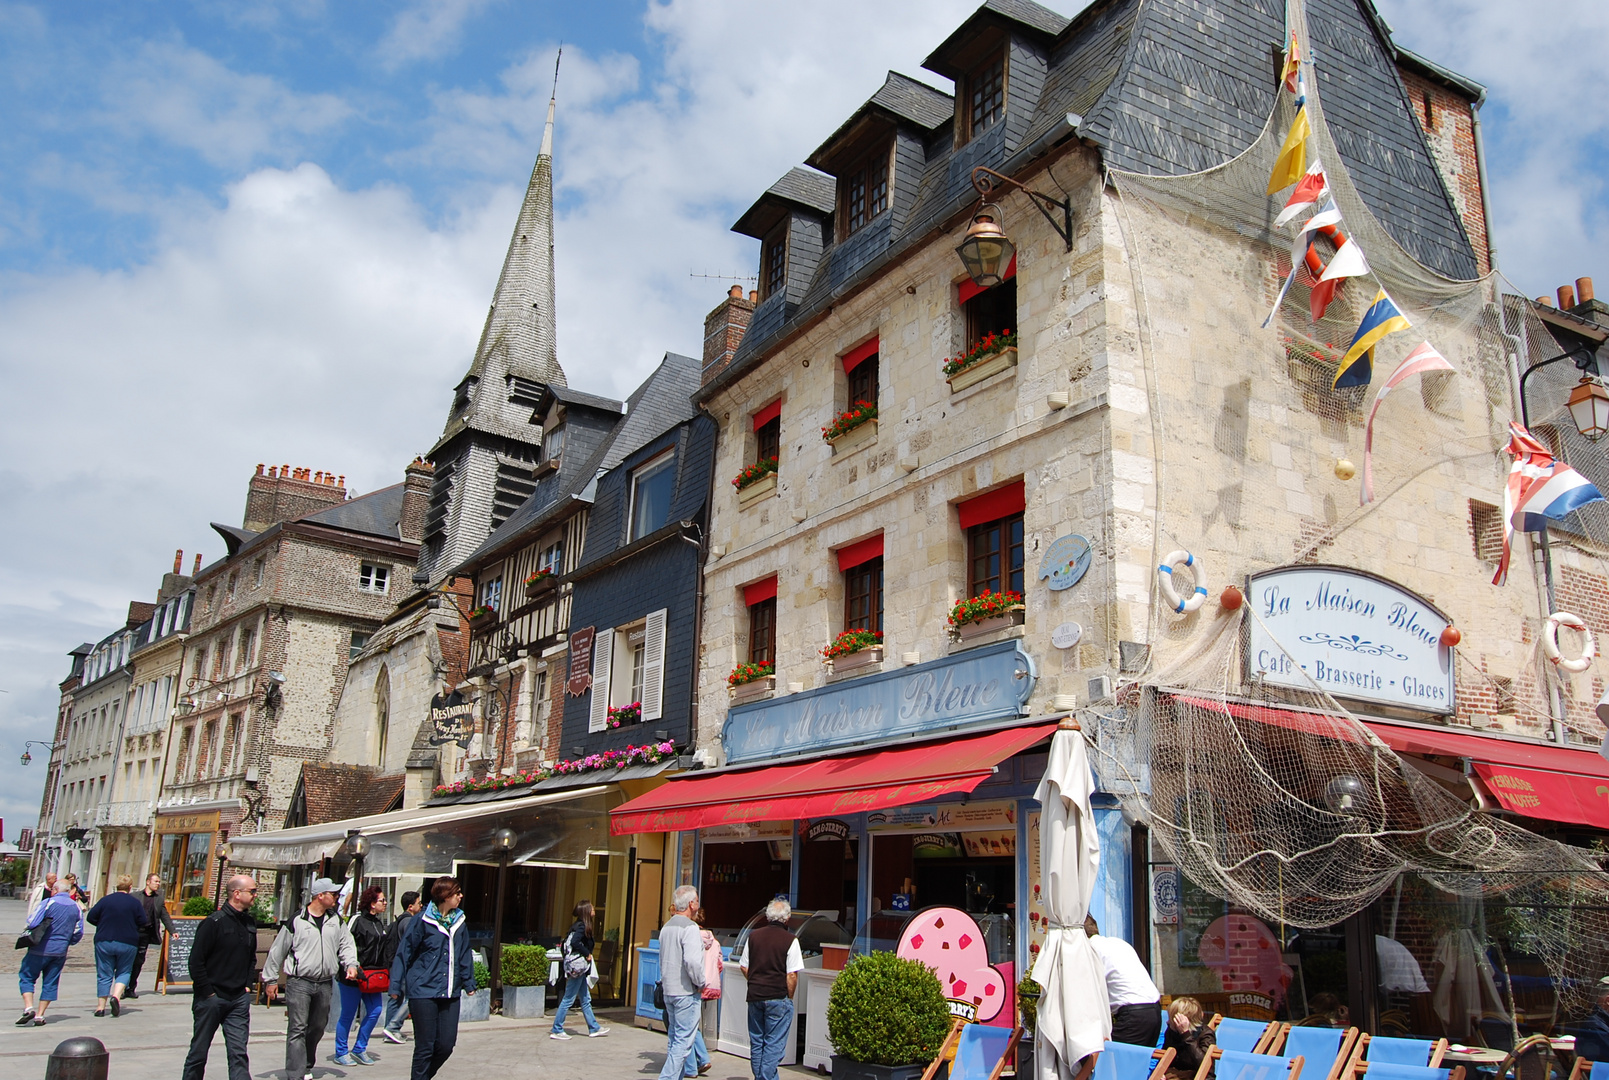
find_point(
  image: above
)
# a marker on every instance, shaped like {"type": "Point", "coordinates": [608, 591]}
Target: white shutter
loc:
{"type": "Point", "coordinates": [653, 666]}
{"type": "Point", "coordinates": [603, 654]}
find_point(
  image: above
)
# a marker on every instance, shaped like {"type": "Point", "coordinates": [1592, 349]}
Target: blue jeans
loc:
{"type": "Point", "coordinates": [234, 1016]}
{"type": "Point", "coordinates": [576, 992]}
{"type": "Point", "coordinates": [681, 1024]}
{"type": "Point", "coordinates": [35, 965]}
{"type": "Point", "coordinates": [699, 1056]}
{"type": "Point", "coordinates": [396, 1013]}
{"type": "Point", "coordinates": [351, 998]}
{"type": "Point", "coordinates": [769, 1022]}
{"type": "Point", "coordinates": [113, 962]}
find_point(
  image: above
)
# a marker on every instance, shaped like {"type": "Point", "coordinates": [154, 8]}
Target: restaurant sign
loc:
{"type": "Point", "coordinates": [452, 719]}
{"type": "Point", "coordinates": [1355, 635]}
{"type": "Point", "coordinates": [992, 682]}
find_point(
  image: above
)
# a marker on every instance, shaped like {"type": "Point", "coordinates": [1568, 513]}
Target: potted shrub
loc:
{"type": "Point", "coordinates": [988, 356]}
{"type": "Point", "coordinates": [985, 613]}
{"type": "Point", "coordinates": [525, 976]}
{"type": "Point", "coordinates": [756, 481]}
{"type": "Point", "coordinates": [1028, 993]}
{"type": "Point", "coordinates": [749, 681]}
{"type": "Point", "coordinates": [477, 1006]}
{"type": "Point", "coordinates": [854, 649]}
{"type": "Point", "coordinates": [481, 617]}
{"type": "Point", "coordinates": [852, 429]}
{"type": "Point", "coordinates": [886, 1018]}
{"type": "Point", "coordinates": [198, 906]}
{"type": "Point", "coordinates": [540, 582]}
{"type": "Point", "coordinates": [626, 714]}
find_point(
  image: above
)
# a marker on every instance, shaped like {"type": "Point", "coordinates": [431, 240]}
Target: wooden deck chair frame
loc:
{"type": "Point", "coordinates": [1217, 1052]}
{"type": "Point", "coordinates": [1163, 1058]}
{"type": "Point", "coordinates": [1345, 1055]}
{"type": "Point", "coordinates": [1582, 1069]}
{"type": "Point", "coordinates": [1456, 1072]}
{"type": "Point", "coordinates": [1262, 1044]}
{"type": "Point", "coordinates": [1438, 1050]}
{"type": "Point", "coordinates": [952, 1040]}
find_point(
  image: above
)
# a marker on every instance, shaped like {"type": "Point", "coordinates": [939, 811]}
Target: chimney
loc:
{"type": "Point", "coordinates": [724, 328]}
{"type": "Point", "coordinates": [292, 494]}
{"type": "Point", "coordinates": [1583, 289]}
{"type": "Point", "coordinates": [178, 560]}
{"type": "Point", "coordinates": [197, 570]}
{"type": "Point", "coordinates": [1566, 298]}
{"type": "Point", "coordinates": [415, 500]}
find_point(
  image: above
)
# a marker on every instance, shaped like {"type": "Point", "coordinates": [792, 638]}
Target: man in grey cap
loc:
{"type": "Point", "coordinates": [312, 949]}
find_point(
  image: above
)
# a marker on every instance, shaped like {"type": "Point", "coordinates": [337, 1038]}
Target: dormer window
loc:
{"type": "Point", "coordinates": [553, 443]}
{"type": "Point", "coordinates": [985, 96]}
{"type": "Point", "coordinates": [774, 263]}
{"type": "Point", "coordinates": [865, 191]}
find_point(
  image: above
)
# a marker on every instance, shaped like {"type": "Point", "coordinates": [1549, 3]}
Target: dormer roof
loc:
{"type": "Point", "coordinates": [901, 99]}
{"type": "Point", "coordinates": [1022, 16]}
{"type": "Point", "coordinates": [801, 188]}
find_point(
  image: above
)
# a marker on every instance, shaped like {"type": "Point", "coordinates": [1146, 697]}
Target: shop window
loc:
{"type": "Point", "coordinates": [863, 596]}
{"type": "Point", "coordinates": [763, 632]}
{"type": "Point", "coordinates": [991, 311]}
{"type": "Point", "coordinates": [985, 96]}
{"type": "Point", "coordinates": [628, 665]}
{"type": "Point", "coordinates": [863, 191]}
{"type": "Point", "coordinates": [651, 488]}
{"type": "Point", "coordinates": [774, 263]}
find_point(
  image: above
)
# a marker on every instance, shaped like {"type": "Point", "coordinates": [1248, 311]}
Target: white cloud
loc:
{"type": "Point", "coordinates": [426, 31]}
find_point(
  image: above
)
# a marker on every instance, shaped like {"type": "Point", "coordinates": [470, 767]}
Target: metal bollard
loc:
{"type": "Point", "coordinates": [82, 1058]}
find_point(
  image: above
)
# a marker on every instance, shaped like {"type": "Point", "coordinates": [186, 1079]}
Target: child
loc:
{"type": "Point", "coordinates": [1192, 1040]}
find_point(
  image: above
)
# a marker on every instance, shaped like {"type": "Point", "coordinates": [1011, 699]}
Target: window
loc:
{"type": "Point", "coordinates": [628, 664]}
{"type": "Point", "coordinates": [991, 311]}
{"type": "Point", "coordinates": [359, 641]}
{"type": "Point", "coordinates": [201, 664]}
{"type": "Point", "coordinates": [1486, 529]}
{"type": "Point", "coordinates": [553, 443]}
{"type": "Point", "coordinates": [212, 594]}
{"type": "Point", "coordinates": [372, 578]}
{"type": "Point", "coordinates": [866, 192]}
{"type": "Point", "coordinates": [639, 659]}
{"type": "Point", "coordinates": [244, 654]}
{"type": "Point", "coordinates": [863, 596]}
{"type": "Point", "coordinates": [774, 263]}
{"type": "Point", "coordinates": [257, 574]}
{"type": "Point", "coordinates": [994, 556]}
{"type": "Point", "coordinates": [763, 632]}
{"type": "Point", "coordinates": [651, 488]}
{"type": "Point", "coordinates": [986, 96]}
{"type": "Point", "coordinates": [863, 382]}
{"type": "Point", "coordinates": [382, 716]}
{"type": "Point", "coordinates": [552, 557]}
{"type": "Point", "coordinates": [491, 593]}
{"type": "Point", "coordinates": [234, 579]}
{"type": "Point", "coordinates": [231, 745]}
{"type": "Point", "coordinates": [768, 440]}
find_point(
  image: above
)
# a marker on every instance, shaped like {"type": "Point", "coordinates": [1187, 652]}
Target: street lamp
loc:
{"type": "Point", "coordinates": [503, 841]}
{"type": "Point", "coordinates": [357, 846]}
{"type": "Point", "coordinates": [223, 857]}
{"type": "Point", "coordinates": [986, 251]}
{"type": "Point", "coordinates": [1589, 407]}
{"type": "Point", "coordinates": [27, 757]}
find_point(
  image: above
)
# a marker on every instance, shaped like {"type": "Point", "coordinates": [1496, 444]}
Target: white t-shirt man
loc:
{"type": "Point", "coordinates": [1127, 981]}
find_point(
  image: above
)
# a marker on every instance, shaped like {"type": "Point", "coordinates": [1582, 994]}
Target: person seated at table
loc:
{"type": "Point", "coordinates": [1592, 1037]}
{"type": "Point", "coordinates": [1330, 1007]}
{"type": "Point", "coordinates": [1189, 1036]}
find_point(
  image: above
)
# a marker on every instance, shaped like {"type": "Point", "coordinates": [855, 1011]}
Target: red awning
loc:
{"type": "Point", "coordinates": [767, 414]}
{"type": "Point", "coordinates": [760, 591]}
{"type": "Point", "coordinates": [861, 551]}
{"type": "Point", "coordinates": [993, 505]}
{"type": "Point", "coordinates": [1551, 796]}
{"type": "Point", "coordinates": [859, 355]}
{"type": "Point", "coordinates": [852, 784]}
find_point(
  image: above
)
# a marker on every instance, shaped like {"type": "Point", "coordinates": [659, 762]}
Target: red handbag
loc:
{"type": "Point", "coordinates": [374, 981]}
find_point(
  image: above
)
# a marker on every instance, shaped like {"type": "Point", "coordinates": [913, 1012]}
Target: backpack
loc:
{"type": "Point", "coordinates": [574, 964]}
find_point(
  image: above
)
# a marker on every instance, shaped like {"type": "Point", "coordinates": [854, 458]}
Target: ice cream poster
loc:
{"type": "Point", "coordinates": [1037, 921]}
{"type": "Point", "coordinates": [950, 942]}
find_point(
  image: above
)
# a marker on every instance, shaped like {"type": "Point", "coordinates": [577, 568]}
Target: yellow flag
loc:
{"type": "Point", "coordinates": [1293, 65]}
{"type": "Point", "coordinates": [1292, 161]}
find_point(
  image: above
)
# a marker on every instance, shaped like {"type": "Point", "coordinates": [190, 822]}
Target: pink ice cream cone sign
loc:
{"type": "Point", "coordinates": [950, 942]}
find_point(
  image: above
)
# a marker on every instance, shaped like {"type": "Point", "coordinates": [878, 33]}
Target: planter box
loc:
{"type": "Point", "coordinates": [861, 435]}
{"type": "Point", "coordinates": [753, 691]}
{"type": "Point", "coordinates": [482, 622]}
{"type": "Point", "coordinates": [476, 1006]}
{"type": "Point", "coordinates": [849, 1069]}
{"type": "Point", "coordinates": [990, 365]}
{"type": "Point", "coordinates": [766, 485]}
{"type": "Point", "coordinates": [541, 587]}
{"type": "Point", "coordinates": [524, 1002]}
{"type": "Point", "coordinates": [968, 631]}
{"type": "Point", "coordinates": [855, 660]}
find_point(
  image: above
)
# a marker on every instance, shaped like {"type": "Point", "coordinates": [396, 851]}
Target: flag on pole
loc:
{"type": "Point", "coordinates": [1423, 359]}
{"type": "Point", "coordinates": [1293, 64]}
{"type": "Point", "coordinates": [1381, 320]}
{"type": "Point", "coordinates": [1292, 160]}
{"type": "Point", "coordinates": [1308, 192]}
{"type": "Point", "coordinates": [1540, 489]}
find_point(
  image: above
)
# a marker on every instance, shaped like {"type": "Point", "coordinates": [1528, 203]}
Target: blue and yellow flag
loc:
{"type": "Point", "coordinates": [1382, 319]}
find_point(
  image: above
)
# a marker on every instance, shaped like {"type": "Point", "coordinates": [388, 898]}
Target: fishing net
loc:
{"type": "Point", "coordinates": [1237, 779]}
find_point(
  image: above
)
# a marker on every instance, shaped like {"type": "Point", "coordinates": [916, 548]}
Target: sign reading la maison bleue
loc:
{"type": "Point", "coordinates": [1355, 635]}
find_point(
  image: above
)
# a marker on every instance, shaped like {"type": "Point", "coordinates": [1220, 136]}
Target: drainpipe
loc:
{"type": "Point", "coordinates": [698, 621]}
{"type": "Point", "coordinates": [1480, 175]}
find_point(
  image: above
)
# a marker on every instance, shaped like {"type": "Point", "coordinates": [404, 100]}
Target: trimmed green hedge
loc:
{"type": "Point", "coordinates": [525, 965]}
{"type": "Point", "coordinates": [887, 1011]}
{"type": "Point", "coordinates": [198, 905]}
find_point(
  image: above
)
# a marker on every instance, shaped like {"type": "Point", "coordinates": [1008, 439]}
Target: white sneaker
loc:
{"type": "Point", "coordinates": [392, 1036]}
{"type": "Point", "coordinates": [561, 1035]}
{"type": "Point", "coordinates": [600, 1033]}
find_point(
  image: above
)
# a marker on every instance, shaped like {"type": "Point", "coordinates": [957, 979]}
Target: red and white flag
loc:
{"type": "Point", "coordinates": [1309, 191]}
{"type": "Point", "coordinates": [1424, 358]}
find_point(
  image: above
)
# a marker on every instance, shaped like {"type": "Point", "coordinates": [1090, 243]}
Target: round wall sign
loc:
{"type": "Point", "coordinates": [1065, 562]}
{"type": "Point", "coordinates": [1066, 635]}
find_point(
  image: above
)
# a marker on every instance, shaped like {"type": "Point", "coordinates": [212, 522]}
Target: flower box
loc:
{"type": "Point", "coordinates": [861, 435]}
{"type": "Point", "coordinates": [976, 372]}
{"type": "Point", "coordinates": [754, 690]}
{"type": "Point", "coordinates": [759, 489]}
{"type": "Point", "coordinates": [541, 586]}
{"type": "Point", "coordinates": [971, 630]}
{"type": "Point", "coordinates": [480, 619]}
{"type": "Point", "coordinates": [856, 660]}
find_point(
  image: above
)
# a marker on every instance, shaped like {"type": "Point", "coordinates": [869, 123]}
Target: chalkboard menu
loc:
{"type": "Point", "coordinates": [176, 953]}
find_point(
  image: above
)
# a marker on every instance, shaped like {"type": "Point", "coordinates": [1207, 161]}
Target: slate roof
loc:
{"type": "Point", "coordinates": [571, 396]}
{"type": "Point", "coordinates": [379, 513]}
{"type": "Point", "coordinates": [336, 792]}
{"type": "Point", "coordinates": [1165, 87]}
{"type": "Point", "coordinates": [900, 97]}
{"type": "Point", "coordinates": [800, 187]}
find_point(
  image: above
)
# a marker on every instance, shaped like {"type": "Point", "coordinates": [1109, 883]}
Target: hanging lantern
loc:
{"type": "Point", "coordinates": [986, 251]}
{"type": "Point", "coordinates": [1589, 407]}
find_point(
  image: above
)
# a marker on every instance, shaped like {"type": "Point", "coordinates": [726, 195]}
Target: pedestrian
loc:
{"type": "Point", "coordinates": [397, 1007]}
{"type": "Point", "coordinates": [698, 1059]}
{"type": "Point", "coordinates": [43, 962]}
{"type": "Point", "coordinates": [223, 967]}
{"type": "Point", "coordinates": [575, 963]}
{"type": "Point", "coordinates": [357, 999]}
{"type": "Point", "coordinates": [681, 975]}
{"type": "Point", "coordinates": [433, 965]}
{"type": "Point", "coordinates": [771, 962]}
{"type": "Point", "coordinates": [80, 897]}
{"type": "Point", "coordinates": [157, 917]}
{"type": "Point", "coordinates": [120, 922]}
{"type": "Point", "coordinates": [312, 949]}
{"type": "Point", "coordinates": [1135, 1001]}
{"type": "Point", "coordinates": [1592, 1038]}
{"type": "Point", "coordinates": [40, 893]}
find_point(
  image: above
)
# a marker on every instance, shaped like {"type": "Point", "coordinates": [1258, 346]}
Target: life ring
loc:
{"type": "Point", "coordinates": [1550, 641]}
{"type": "Point", "coordinates": [1323, 291]}
{"type": "Point", "coordinates": [1193, 600]}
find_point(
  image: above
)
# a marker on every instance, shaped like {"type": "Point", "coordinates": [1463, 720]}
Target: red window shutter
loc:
{"type": "Point", "coordinates": [760, 591]}
{"type": "Point", "coordinates": [993, 505]}
{"type": "Point", "coordinates": [968, 289]}
{"type": "Point", "coordinates": [860, 552]}
{"type": "Point", "coordinates": [860, 353]}
{"type": "Point", "coordinates": [767, 414]}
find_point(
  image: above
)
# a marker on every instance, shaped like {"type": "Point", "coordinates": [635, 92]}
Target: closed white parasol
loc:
{"type": "Point", "coordinates": [1074, 1018]}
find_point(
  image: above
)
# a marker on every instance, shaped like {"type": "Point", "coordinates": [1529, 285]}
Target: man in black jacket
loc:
{"type": "Point", "coordinates": [396, 1007]}
{"type": "Point", "coordinates": [223, 967]}
{"type": "Point", "coordinates": [156, 918]}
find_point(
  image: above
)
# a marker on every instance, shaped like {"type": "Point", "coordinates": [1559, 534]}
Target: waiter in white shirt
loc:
{"type": "Point", "coordinates": [1135, 1000]}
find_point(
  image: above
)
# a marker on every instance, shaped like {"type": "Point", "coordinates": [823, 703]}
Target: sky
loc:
{"type": "Point", "coordinates": [246, 232]}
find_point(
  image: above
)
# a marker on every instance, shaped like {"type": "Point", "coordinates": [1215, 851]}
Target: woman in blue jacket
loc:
{"type": "Point", "coordinates": [45, 960]}
{"type": "Point", "coordinates": [433, 964]}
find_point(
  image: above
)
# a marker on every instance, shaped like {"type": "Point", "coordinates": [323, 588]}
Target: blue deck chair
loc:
{"type": "Point", "coordinates": [1381, 1070]}
{"type": "Point", "coordinates": [1124, 1061]}
{"type": "Point", "coordinates": [981, 1051]}
{"type": "Point", "coordinates": [1240, 1065]}
{"type": "Point", "coordinates": [1589, 1070]}
{"type": "Point", "coordinates": [1326, 1051]}
{"type": "Point", "coordinates": [1379, 1049]}
{"type": "Point", "coordinates": [1247, 1036]}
